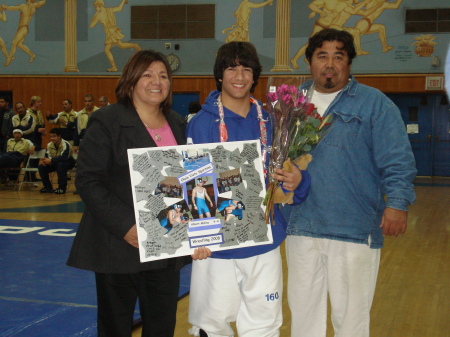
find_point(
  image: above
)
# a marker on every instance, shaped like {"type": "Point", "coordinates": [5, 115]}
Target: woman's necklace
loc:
{"type": "Point", "coordinates": [154, 133]}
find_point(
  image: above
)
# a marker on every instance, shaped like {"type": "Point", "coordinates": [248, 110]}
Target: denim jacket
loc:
{"type": "Point", "coordinates": [364, 157]}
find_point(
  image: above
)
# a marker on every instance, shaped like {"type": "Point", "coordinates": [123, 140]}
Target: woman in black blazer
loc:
{"type": "Point", "coordinates": [106, 241]}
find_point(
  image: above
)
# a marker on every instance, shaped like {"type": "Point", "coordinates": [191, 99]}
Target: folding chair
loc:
{"type": "Point", "coordinates": [7, 171]}
{"type": "Point", "coordinates": [23, 172]}
{"type": "Point", "coordinates": [72, 173]}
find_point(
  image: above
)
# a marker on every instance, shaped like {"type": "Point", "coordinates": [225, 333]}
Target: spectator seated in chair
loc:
{"type": "Point", "coordinates": [57, 158]}
{"type": "Point", "coordinates": [17, 149]}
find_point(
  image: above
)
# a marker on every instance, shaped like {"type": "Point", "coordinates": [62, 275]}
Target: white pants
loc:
{"type": "Point", "coordinates": [346, 271]}
{"type": "Point", "coordinates": [248, 291]}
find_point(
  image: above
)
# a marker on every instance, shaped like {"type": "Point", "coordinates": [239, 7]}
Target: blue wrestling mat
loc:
{"type": "Point", "coordinates": [39, 294]}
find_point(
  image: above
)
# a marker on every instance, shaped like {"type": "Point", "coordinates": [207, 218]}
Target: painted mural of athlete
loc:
{"type": "Point", "coordinates": [331, 13]}
{"type": "Point", "coordinates": [113, 35]}
{"type": "Point", "coordinates": [26, 13]}
{"type": "Point", "coordinates": [239, 31]}
{"type": "Point", "coordinates": [366, 26]}
{"type": "Point", "coordinates": [2, 43]}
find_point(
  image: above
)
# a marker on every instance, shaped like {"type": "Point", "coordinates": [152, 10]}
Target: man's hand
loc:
{"type": "Point", "coordinates": [290, 180]}
{"type": "Point", "coordinates": [394, 222]}
{"type": "Point", "coordinates": [131, 237]}
{"type": "Point", "coordinates": [201, 253]}
{"type": "Point", "coordinates": [46, 161]}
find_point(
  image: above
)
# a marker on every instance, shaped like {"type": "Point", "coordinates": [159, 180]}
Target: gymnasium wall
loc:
{"type": "Point", "coordinates": [387, 48]}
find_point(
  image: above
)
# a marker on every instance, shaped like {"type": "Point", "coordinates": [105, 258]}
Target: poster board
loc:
{"type": "Point", "coordinates": [197, 195]}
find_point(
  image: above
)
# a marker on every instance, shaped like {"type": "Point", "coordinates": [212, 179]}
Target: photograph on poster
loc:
{"type": "Point", "coordinates": [169, 188]}
{"type": "Point", "coordinates": [198, 195]}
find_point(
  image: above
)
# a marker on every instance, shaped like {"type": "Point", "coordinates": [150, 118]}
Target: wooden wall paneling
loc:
{"type": "Point", "coordinates": [398, 83]}
{"type": "Point", "coordinates": [53, 89]}
{"type": "Point", "coordinates": [203, 85]}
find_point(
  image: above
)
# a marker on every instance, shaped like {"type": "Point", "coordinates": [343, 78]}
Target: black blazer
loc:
{"type": "Point", "coordinates": [103, 181]}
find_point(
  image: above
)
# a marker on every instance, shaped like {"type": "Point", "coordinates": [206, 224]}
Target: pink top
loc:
{"type": "Point", "coordinates": [163, 136]}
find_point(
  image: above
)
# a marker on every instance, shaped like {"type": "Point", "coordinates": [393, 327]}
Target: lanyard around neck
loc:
{"type": "Point", "coordinates": [262, 126]}
{"type": "Point", "coordinates": [223, 127]}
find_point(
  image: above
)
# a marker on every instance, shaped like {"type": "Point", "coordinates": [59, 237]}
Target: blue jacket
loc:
{"type": "Point", "coordinates": [365, 156]}
{"type": "Point", "coordinates": [204, 128]}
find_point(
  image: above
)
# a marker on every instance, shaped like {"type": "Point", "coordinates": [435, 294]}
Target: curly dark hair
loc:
{"type": "Point", "coordinates": [330, 35]}
{"type": "Point", "coordinates": [234, 54]}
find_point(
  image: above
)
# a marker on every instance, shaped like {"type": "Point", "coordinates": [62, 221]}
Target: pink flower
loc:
{"type": "Point", "coordinates": [272, 97]}
{"type": "Point", "coordinates": [295, 129]}
{"type": "Point", "coordinates": [287, 99]}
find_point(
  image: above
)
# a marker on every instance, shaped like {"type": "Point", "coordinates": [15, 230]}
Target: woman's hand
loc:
{"type": "Point", "coordinates": [201, 253]}
{"type": "Point", "coordinates": [131, 237]}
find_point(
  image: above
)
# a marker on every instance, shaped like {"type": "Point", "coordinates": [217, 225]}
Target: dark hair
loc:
{"type": "Point", "coordinates": [5, 98]}
{"type": "Point", "coordinates": [15, 105]}
{"type": "Point", "coordinates": [194, 107]}
{"type": "Point", "coordinates": [56, 131]}
{"type": "Point", "coordinates": [233, 54]}
{"type": "Point", "coordinates": [68, 101]}
{"type": "Point", "coordinates": [330, 35]}
{"type": "Point", "coordinates": [89, 96]}
{"type": "Point", "coordinates": [132, 72]}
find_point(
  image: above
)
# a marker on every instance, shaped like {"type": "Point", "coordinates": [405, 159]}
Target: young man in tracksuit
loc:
{"type": "Point", "coordinates": [244, 284]}
{"type": "Point", "coordinates": [57, 158]}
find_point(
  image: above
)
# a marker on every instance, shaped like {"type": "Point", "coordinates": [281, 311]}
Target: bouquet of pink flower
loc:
{"type": "Point", "coordinates": [296, 128]}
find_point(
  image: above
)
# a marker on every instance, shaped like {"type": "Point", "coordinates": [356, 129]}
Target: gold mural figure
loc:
{"type": "Point", "coordinates": [2, 43]}
{"type": "Point", "coordinates": [366, 25]}
{"type": "Point", "coordinates": [113, 34]}
{"type": "Point", "coordinates": [350, 10]}
{"type": "Point", "coordinates": [239, 31]}
{"type": "Point", "coordinates": [27, 11]}
{"type": "Point", "coordinates": [332, 14]}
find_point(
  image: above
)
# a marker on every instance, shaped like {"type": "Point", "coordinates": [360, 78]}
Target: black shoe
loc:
{"type": "Point", "coordinates": [76, 192]}
{"type": "Point", "coordinates": [59, 191]}
{"type": "Point", "coordinates": [203, 333]}
{"type": "Point", "coordinates": [46, 190]}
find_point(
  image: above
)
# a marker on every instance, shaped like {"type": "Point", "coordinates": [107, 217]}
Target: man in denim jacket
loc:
{"type": "Point", "coordinates": [335, 235]}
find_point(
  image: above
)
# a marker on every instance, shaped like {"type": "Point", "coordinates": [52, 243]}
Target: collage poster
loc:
{"type": "Point", "coordinates": [190, 196]}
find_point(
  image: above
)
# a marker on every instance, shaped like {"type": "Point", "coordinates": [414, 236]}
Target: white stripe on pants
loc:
{"type": "Point", "coordinates": [248, 291]}
{"type": "Point", "coordinates": [347, 271]}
